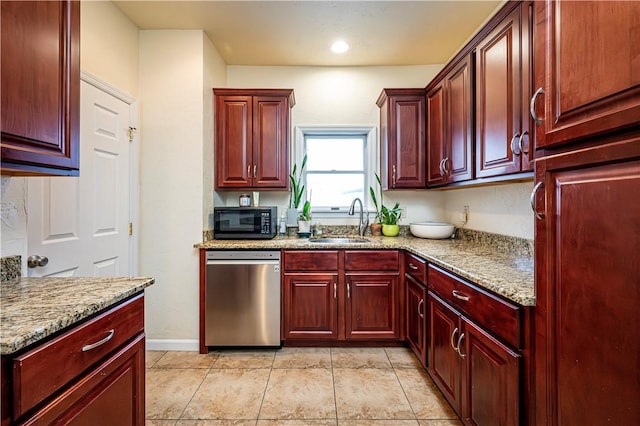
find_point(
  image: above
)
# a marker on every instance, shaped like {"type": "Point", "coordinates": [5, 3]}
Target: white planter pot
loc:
{"type": "Point", "coordinates": [304, 226]}
{"type": "Point", "coordinates": [292, 217]}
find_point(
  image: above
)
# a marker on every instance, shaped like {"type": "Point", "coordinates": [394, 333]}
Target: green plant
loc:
{"type": "Point", "coordinates": [390, 216]}
{"type": "Point", "coordinates": [297, 189]}
{"type": "Point", "coordinates": [372, 194]}
{"type": "Point", "coordinates": [305, 214]}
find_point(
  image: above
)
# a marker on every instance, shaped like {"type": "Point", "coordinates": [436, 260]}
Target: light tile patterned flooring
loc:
{"type": "Point", "coordinates": [293, 387]}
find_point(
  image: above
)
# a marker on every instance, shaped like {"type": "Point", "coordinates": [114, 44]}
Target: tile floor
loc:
{"type": "Point", "coordinates": [293, 387]}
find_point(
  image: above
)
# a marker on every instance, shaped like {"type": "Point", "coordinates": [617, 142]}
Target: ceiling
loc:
{"type": "Point", "coordinates": [299, 33]}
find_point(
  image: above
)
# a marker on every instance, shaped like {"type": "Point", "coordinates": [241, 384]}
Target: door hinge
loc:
{"type": "Point", "coordinates": [130, 228]}
{"type": "Point", "coordinates": [131, 132]}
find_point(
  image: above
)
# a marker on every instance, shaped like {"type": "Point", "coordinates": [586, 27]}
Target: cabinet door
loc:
{"type": "Point", "coordinates": [270, 142]}
{"type": "Point", "coordinates": [372, 306]}
{"type": "Point", "coordinates": [436, 135]}
{"type": "Point", "coordinates": [444, 363]}
{"type": "Point", "coordinates": [586, 61]}
{"type": "Point", "coordinates": [234, 157]}
{"type": "Point", "coordinates": [40, 87]}
{"type": "Point", "coordinates": [310, 306]}
{"type": "Point", "coordinates": [587, 293]}
{"type": "Point", "coordinates": [416, 318]}
{"type": "Point", "coordinates": [498, 99]}
{"type": "Point", "coordinates": [110, 394]}
{"type": "Point", "coordinates": [458, 160]}
{"type": "Point", "coordinates": [491, 390]}
{"type": "Point", "coordinates": [407, 146]}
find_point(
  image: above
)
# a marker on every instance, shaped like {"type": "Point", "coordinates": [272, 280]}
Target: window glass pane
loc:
{"type": "Point", "coordinates": [329, 153]}
{"type": "Point", "coordinates": [335, 189]}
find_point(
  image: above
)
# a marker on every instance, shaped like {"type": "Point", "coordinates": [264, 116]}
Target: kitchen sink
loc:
{"type": "Point", "coordinates": [339, 240]}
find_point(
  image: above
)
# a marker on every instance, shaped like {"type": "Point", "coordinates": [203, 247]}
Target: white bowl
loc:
{"type": "Point", "coordinates": [432, 230]}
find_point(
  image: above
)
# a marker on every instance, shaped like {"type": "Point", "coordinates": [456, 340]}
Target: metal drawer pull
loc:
{"type": "Point", "coordinates": [335, 291]}
{"type": "Point", "coordinates": [532, 106]}
{"type": "Point", "coordinates": [412, 266]}
{"type": "Point", "coordinates": [460, 296]}
{"type": "Point", "coordinates": [532, 199]}
{"type": "Point", "coordinates": [99, 342]}
{"type": "Point", "coordinates": [458, 346]}
{"type": "Point", "coordinates": [512, 144]}
{"type": "Point", "coordinates": [525, 133]}
{"type": "Point", "coordinates": [453, 338]}
{"type": "Point", "coordinates": [421, 302]}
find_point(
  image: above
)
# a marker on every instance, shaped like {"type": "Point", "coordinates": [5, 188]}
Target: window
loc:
{"type": "Point", "coordinates": [338, 166]}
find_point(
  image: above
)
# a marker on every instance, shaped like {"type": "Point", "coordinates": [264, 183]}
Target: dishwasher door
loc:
{"type": "Point", "coordinates": [242, 299]}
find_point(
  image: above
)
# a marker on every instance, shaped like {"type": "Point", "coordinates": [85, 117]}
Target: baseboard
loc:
{"type": "Point", "coordinates": [172, 345]}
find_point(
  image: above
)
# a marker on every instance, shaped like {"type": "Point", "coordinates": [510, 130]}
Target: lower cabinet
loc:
{"type": "Point", "coordinates": [416, 305]}
{"type": "Point", "coordinates": [341, 295]}
{"type": "Point", "coordinates": [479, 374]}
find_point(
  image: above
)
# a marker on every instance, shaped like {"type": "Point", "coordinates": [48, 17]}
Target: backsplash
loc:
{"type": "Point", "coordinates": [10, 269]}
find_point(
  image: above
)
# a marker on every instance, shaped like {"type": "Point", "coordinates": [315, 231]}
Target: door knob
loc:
{"type": "Point", "coordinates": [35, 260]}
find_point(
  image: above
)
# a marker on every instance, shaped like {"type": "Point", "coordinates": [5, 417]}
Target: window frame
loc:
{"type": "Point", "coordinates": [371, 165]}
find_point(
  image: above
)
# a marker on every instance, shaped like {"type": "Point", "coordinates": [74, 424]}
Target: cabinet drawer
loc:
{"type": "Point", "coordinates": [57, 362]}
{"type": "Point", "coordinates": [416, 267]}
{"type": "Point", "coordinates": [312, 260]}
{"type": "Point", "coordinates": [496, 315]}
{"type": "Point", "coordinates": [371, 260]}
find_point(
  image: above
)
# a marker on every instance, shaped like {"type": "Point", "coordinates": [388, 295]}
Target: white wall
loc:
{"type": "Point", "coordinates": [14, 218]}
{"type": "Point", "coordinates": [109, 45]}
{"type": "Point", "coordinates": [172, 119]}
{"type": "Point", "coordinates": [340, 96]}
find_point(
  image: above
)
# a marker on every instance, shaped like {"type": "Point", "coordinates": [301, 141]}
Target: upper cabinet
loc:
{"type": "Point", "coordinates": [449, 126]}
{"type": "Point", "coordinates": [574, 97]}
{"type": "Point", "coordinates": [503, 81]}
{"type": "Point", "coordinates": [40, 87]}
{"type": "Point", "coordinates": [252, 138]}
{"type": "Point", "coordinates": [402, 138]}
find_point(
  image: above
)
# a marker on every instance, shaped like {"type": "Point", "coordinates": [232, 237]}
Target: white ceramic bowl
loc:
{"type": "Point", "coordinates": [432, 230]}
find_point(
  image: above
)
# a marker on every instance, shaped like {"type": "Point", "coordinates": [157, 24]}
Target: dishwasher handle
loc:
{"type": "Point", "coordinates": [242, 262]}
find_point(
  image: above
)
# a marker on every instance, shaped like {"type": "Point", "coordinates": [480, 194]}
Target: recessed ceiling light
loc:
{"type": "Point", "coordinates": [339, 47]}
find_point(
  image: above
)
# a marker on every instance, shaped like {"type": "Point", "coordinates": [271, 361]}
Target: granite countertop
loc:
{"type": "Point", "coordinates": [34, 308]}
{"type": "Point", "coordinates": [506, 272]}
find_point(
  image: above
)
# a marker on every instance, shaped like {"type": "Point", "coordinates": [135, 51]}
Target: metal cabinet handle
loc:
{"type": "Point", "coordinates": [421, 302]}
{"type": "Point", "coordinates": [35, 260]}
{"type": "Point", "coordinates": [254, 171]}
{"type": "Point", "coordinates": [444, 165]}
{"type": "Point", "coordinates": [440, 167]}
{"type": "Point", "coordinates": [458, 347]}
{"type": "Point", "coordinates": [532, 200]}
{"type": "Point", "coordinates": [348, 291]}
{"type": "Point", "coordinates": [460, 296]}
{"type": "Point", "coordinates": [453, 338]}
{"type": "Point", "coordinates": [512, 144]}
{"type": "Point", "coordinates": [393, 175]}
{"type": "Point", "coordinates": [335, 291]}
{"type": "Point", "coordinates": [99, 342]}
{"type": "Point", "coordinates": [249, 171]}
{"type": "Point", "coordinates": [412, 266]}
{"type": "Point", "coordinates": [520, 147]}
{"type": "Point", "coordinates": [532, 106]}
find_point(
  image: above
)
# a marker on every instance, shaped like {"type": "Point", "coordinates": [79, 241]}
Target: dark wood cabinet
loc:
{"type": "Point", "coordinates": [252, 138]}
{"type": "Point", "coordinates": [502, 86]}
{"type": "Point", "coordinates": [40, 88]}
{"type": "Point", "coordinates": [449, 134]}
{"type": "Point", "coordinates": [587, 292]}
{"type": "Point", "coordinates": [341, 295]}
{"type": "Point", "coordinates": [416, 305]}
{"type": "Point", "coordinates": [402, 138]}
{"type": "Point", "coordinates": [478, 372]}
{"type": "Point", "coordinates": [586, 69]}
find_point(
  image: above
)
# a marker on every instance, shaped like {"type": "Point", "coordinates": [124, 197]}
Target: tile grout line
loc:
{"type": "Point", "coordinates": [395, 373]}
{"type": "Point", "coordinates": [333, 380]}
{"type": "Point", "coordinates": [196, 391]}
{"type": "Point", "coordinates": [266, 386]}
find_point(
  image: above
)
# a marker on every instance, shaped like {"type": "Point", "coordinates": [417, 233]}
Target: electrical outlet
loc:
{"type": "Point", "coordinates": [466, 213]}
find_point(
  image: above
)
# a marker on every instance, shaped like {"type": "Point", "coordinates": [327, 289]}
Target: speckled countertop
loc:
{"type": "Point", "coordinates": [34, 308]}
{"type": "Point", "coordinates": [508, 273]}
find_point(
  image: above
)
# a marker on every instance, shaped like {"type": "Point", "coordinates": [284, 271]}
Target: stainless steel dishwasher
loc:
{"type": "Point", "coordinates": [242, 294]}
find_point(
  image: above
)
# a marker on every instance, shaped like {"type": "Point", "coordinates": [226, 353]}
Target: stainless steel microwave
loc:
{"type": "Point", "coordinates": [244, 223]}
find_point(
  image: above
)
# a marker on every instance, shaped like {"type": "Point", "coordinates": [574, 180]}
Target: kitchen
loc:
{"type": "Point", "coordinates": [171, 73]}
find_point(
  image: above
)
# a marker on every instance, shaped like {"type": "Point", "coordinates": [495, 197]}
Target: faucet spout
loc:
{"type": "Point", "coordinates": [363, 223]}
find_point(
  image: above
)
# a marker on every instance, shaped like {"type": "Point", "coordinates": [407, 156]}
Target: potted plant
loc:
{"type": "Point", "coordinates": [304, 218]}
{"type": "Point", "coordinates": [376, 226]}
{"type": "Point", "coordinates": [297, 190]}
{"type": "Point", "coordinates": [390, 218]}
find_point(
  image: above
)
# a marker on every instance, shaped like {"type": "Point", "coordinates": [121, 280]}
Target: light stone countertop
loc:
{"type": "Point", "coordinates": [32, 309]}
{"type": "Point", "coordinates": [507, 273]}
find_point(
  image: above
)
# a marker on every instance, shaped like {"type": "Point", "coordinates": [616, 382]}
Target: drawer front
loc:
{"type": "Point", "coordinates": [494, 314]}
{"type": "Point", "coordinates": [371, 260]}
{"type": "Point", "coordinates": [416, 267]}
{"type": "Point", "coordinates": [311, 260]}
{"type": "Point", "coordinates": [45, 369]}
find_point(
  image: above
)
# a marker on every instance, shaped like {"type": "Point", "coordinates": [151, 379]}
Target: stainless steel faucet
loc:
{"type": "Point", "coordinates": [363, 222]}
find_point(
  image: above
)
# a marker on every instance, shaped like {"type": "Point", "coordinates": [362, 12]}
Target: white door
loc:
{"type": "Point", "coordinates": [81, 224]}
